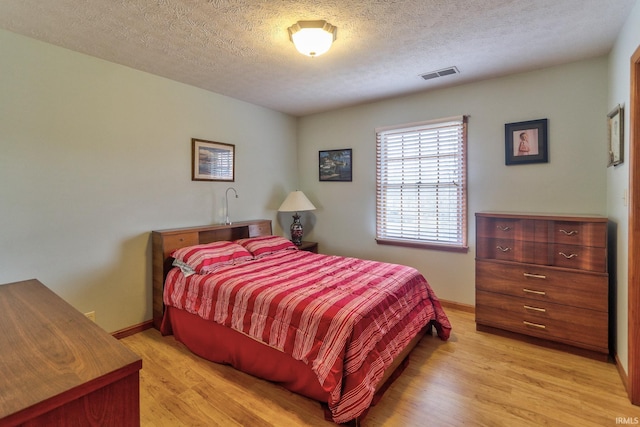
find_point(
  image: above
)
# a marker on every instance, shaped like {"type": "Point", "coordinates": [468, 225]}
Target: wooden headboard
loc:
{"type": "Point", "coordinates": [164, 242]}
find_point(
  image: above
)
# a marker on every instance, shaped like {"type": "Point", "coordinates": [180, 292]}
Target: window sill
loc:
{"type": "Point", "coordinates": [419, 245]}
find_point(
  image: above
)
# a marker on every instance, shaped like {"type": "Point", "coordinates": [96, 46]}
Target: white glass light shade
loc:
{"type": "Point", "coordinates": [312, 38]}
{"type": "Point", "coordinates": [296, 201]}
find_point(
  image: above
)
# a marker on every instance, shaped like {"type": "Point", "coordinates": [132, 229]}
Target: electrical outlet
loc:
{"type": "Point", "coordinates": [91, 315]}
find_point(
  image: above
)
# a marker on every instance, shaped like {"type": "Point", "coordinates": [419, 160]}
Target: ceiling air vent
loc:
{"type": "Point", "coordinates": [440, 73]}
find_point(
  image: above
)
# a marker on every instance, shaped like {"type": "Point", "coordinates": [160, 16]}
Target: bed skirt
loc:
{"type": "Point", "coordinates": [203, 338]}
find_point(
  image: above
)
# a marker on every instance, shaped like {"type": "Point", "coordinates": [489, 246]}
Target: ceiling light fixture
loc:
{"type": "Point", "coordinates": [312, 38]}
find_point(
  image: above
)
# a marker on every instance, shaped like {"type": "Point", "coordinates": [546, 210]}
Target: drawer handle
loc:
{"type": "Point", "coordinates": [535, 276]}
{"type": "Point", "coordinates": [569, 233]}
{"type": "Point", "coordinates": [567, 256]}
{"type": "Point", "coordinates": [501, 249]}
{"type": "Point", "coordinates": [541, 310]}
{"type": "Point", "coordinates": [535, 325]}
{"type": "Point", "coordinates": [531, 291]}
{"type": "Point", "coordinates": [501, 228]}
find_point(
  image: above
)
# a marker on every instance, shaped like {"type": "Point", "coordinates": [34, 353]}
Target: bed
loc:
{"type": "Point", "coordinates": [335, 329]}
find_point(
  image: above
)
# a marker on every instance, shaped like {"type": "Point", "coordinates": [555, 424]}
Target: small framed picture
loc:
{"type": "Point", "coordinates": [212, 161]}
{"type": "Point", "coordinates": [615, 128]}
{"type": "Point", "coordinates": [526, 142]}
{"type": "Point", "coordinates": [335, 165]}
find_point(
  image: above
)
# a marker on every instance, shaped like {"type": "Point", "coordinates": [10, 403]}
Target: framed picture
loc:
{"type": "Point", "coordinates": [335, 165]}
{"type": "Point", "coordinates": [526, 142]}
{"type": "Point", "coordinates": [615, 128]}
{"type": "Point", "coordinates": [212, 161]}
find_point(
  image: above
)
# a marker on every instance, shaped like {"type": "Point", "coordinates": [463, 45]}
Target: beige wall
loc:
{"type": "Point", "coordinates": [572, 97]}
{"type": "Point", "coordinates": [618, 177]}
{"type": "Point", "coordinates": [94, 155]}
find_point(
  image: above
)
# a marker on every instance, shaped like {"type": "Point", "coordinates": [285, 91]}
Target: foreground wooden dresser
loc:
{"type": "Point", "coordinates": [58, 368]}
{"type": "Point", "coordinates": [545, 277]}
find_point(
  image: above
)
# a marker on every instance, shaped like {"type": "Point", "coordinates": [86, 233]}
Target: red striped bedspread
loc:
{"type": "Point", "coordinates": [346, 318]}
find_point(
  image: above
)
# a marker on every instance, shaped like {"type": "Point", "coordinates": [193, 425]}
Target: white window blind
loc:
{"type": "Point", "coordinates": [421, 184]}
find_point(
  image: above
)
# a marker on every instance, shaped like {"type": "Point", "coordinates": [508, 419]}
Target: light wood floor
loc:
{"type": "Point", "coordinates": [474, 379]}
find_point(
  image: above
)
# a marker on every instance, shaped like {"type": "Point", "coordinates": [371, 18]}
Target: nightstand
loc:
{"type": "Point", "coordinates": [309, 247]}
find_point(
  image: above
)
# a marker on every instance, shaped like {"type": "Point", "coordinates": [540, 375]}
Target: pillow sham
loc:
{"type": "Point", "coordinates": [265, 245]}
{"type": "Point", "coordinates": [209, 256]}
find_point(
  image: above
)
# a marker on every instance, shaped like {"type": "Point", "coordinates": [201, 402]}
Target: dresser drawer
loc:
{"type": "Point", "coordinates": [513, 250]}
{"type": "Point", "coordinates": [512, 228]}
{"type": "Point", "coordinates": [500, 228]}
{"type": "Point", "coordinates": [503, 249]}
{"type": "Point", "coordinates": [545, 284]}
{"type": "Point", "coordinates": [579, 257]}
{"type": "Point", "coordinates": [580, 233]}
{"type": "Point", "coordinates": [583, 327]}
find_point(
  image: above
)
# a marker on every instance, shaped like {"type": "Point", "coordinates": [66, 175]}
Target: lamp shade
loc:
{"type": "Point", "coordinates": [296, 201]}
{"type": "Point", "coordinates": [312, 38]}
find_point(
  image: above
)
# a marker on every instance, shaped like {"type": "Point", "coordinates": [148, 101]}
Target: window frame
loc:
{"type": "Point", "coordinates": [460, 213]}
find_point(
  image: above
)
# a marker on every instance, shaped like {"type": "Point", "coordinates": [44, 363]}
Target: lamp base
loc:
{"type": "Point", "coordinates": [296, 230]}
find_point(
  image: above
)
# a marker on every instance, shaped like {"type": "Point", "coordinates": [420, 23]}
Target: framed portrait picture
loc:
{"type": "Point", "coordinates": [212, 161]}
{"type": "Point", "coordinates": [526, 142]}
{"type": "Point", "coordinates": [615, 128]}
{"type": "Point", "coordinates": [335, 165]}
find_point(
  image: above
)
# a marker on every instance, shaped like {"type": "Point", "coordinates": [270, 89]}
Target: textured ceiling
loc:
{"type": "Point", "coordinates": [240, 48]}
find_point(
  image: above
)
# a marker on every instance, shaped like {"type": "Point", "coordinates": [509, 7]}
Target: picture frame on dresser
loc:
{"type": "Point", "coordinates": [615, 130]}
{"type": "Point", "coordinates": [212, 161]}
{"type": "Point", "coordinates": [526, 142]}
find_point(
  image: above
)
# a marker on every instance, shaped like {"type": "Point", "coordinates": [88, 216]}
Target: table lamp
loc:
{"type": "Point", "coordinates": [296, 202]}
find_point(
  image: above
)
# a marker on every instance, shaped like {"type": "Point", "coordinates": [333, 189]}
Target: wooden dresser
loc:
{"type": "Point", "coordinates": [58, 368]}
{"type": "Point", "coordinates": [544, 278]}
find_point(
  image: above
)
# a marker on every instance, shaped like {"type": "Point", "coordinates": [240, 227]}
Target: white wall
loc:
{"type": "Point", "coordinates": [618, 177]}
{"type": "Point", "coordinates": [94, 155]}
{"type": "Point", "coordinates": [572, 97]}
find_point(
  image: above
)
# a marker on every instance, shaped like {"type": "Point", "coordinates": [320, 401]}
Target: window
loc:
{"type": "Point", "coordinates": [421, 196]}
